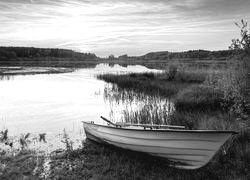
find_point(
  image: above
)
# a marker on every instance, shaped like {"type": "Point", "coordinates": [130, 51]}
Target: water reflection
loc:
{"type": "Point", "coordinates": [136, 107]}
{"type": "Point", "coordinates": [50, 103]}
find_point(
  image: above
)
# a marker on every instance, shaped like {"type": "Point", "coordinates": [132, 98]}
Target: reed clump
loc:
{"type": "Point", "coordinates": [199, 97]}
{"type": "Point", "coordinates": [184, 86]}
{"type": "Point", "coordinates": [185, 74]}
{"type": "Point", "coordinates": [193, 89]}
{"type": "Point", "coordinates": [215, 120]}
{"type": "Point", "coordinates": [153, 84]}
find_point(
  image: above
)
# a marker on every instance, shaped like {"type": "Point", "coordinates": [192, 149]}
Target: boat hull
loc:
{"type": "Point", "coordinates": [189, 149]}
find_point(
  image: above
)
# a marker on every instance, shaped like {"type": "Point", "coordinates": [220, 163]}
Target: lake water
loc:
{"type": "Point", "coordinates": [52, 103]}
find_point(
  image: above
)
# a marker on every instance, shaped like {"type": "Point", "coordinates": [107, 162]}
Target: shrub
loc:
{"type": "Point", "coordinates": [242, 44]}
{"type": "Point", "coordinates": [231, 83]}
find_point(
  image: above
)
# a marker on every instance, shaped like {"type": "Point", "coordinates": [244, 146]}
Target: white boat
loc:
{"type": "Point", "coordinates": [188, 149]}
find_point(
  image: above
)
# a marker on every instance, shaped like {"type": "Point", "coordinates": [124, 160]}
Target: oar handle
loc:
{"type": "Point", "coordinates": [108, 121]}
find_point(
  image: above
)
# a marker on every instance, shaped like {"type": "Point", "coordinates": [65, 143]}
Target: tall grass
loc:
{"type": "Point", "coordinates": [156, 84]}
{"type": "Point", "coordinates": [185, 86]}
{"type": "Point", "coordinates": [199, 97]}
{"type": "Point", "coordinates": [145, 109]}
{"type": "Point", "coordinates": [138, 107]}
{"type": "Point", "coordinates": [213, 120]}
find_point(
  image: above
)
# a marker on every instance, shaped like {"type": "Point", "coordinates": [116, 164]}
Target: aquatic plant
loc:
{"type": "Point", "coordinates": [137, 107]}
{"type": "Point", "coordinates": [4, 135]}
{"type": "Point", "coordinates": [68, 143]}
{"type": "Point", "coordinates": [242, 43]}
{"type": "Point", "coordinates": [42, 137]}
{"type": "Point", "coordinates": [199, 98]}
{"type": "Point", "coordinates": [141, 83]}
{"type": "Point", "coordinates": [24, 140]}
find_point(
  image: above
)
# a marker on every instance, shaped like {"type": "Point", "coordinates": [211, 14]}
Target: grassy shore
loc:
{"type": "Point", "coordinates": [95, 161]}
{"type": "Point", "coordinates": [184, 88]}
{"type": "Point", "coordinates": [204, 99]}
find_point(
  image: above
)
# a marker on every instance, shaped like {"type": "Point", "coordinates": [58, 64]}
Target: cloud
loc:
{"type": "Point", "coordinates": [136, 25]}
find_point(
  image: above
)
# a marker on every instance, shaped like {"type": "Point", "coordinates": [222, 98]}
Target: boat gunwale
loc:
{"type": "Point", "coordinates": [165, 130]}
{"type": "Point", "coordinates": [164, 139]}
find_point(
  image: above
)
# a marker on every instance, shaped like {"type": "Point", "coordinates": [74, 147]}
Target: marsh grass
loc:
{"type": "Point", "coordinates": [185, 87]}
{"type": "Point", "coordinates": [138, 107]}
{"type": "Point", "coordinates": [193, 88]}
{"type": "Point", "coordinates": [148, 83]}
{"type": "Point", "coordinates": [145, 109]}
{"type": "Point", "coordinates": [199, 98]}
{"type": "Point", "coordinates": [202, 102]}
{"type": "Point", "coordinates": [152, 112]}
{"type": "Point", "coordinates": [186, 74]}
{"type": "Point", "coordinates": [208, 120]}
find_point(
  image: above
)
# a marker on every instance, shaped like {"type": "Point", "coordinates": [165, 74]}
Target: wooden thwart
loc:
{"type": "Point", "coordinates": [142, 125]}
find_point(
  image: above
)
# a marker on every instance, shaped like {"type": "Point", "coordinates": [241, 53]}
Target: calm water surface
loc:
{"type": "Point", "coordinates": [50, 103]}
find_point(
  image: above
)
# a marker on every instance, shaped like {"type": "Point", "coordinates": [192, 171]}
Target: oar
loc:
{"type": "Point", "coordinates": [157, 126]}
{"type": "Point", "coordinates": [108, 121]}
{"type": "Point", "coordinates": [142, 125]}
{"type": "Point", "coordinates": [117, 124]}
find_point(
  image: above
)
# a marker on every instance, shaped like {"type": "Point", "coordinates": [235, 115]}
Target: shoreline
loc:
{"type": "Point", "coordinates": [24, 70]}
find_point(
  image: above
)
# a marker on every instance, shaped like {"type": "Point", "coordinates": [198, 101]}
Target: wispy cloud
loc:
{"type": "Point", "coordinates": [125, 26]}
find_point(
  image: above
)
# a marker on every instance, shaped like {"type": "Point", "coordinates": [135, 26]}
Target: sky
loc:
{"type": "Point", "coordinates": [132, 27]}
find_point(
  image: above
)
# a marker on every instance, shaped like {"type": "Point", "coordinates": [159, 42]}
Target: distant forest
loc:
{"type": "Point", "coordinates": [8, 53]}
{"type": "Point", "coordinates": [192, 54]}
{"type": "Point", "coordinates": [197, 54]}
{"type": "Point", "coordinates": [29, 52]}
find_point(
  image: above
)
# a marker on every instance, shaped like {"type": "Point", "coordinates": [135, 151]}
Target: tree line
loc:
{"type": "Point", "coordinates": [192, 54]}
{"type": "Point", "coordinates": [166, 55]}
{"type": "Point", "coordinates": [29, 52]}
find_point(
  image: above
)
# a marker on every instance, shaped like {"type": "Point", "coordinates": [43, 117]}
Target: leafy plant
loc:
{"type": "Point", "coordinates": [4, 135]}
{"type": "Point", "coordinates": [232, 82]}
{"type": "Point", "coordinates": [68, 143]}
{"type": "Point", "coordinates": [24, 140]}
{"type": "Point", "coordinates": [242, 43]}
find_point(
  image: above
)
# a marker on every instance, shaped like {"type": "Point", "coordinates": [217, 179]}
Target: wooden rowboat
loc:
{"type": "Point", "coordinates": [189, 149]}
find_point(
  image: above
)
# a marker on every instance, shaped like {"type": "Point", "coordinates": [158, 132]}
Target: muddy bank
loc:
{"type": "Point", "coordinates": [9, 71]}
